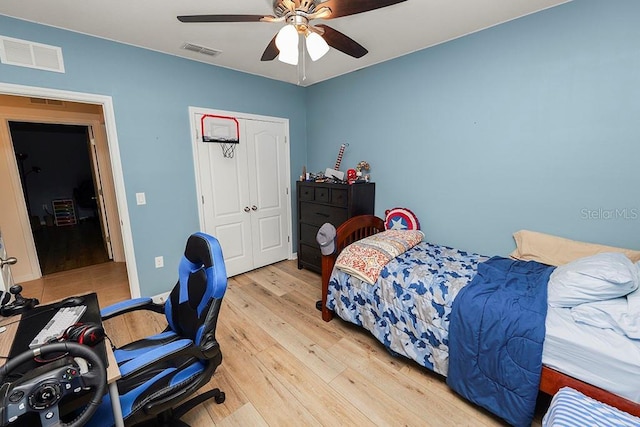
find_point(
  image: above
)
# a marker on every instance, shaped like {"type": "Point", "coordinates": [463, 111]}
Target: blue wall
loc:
{"type": "Point", "coordinates": [528, 125]}
{"type": "Point", "coordinates": [531, 124]}
{"type": "Point", "coordinates": [151, 94]}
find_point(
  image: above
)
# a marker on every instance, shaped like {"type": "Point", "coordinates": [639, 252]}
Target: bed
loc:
{"type": "Point", "coordinates": [570, 408]}
{"type": "Point", "coordinates": [340, 291]}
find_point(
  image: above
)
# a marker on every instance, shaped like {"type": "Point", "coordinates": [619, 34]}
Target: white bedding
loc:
{"type": "Point", "coordinates": [600, 357]}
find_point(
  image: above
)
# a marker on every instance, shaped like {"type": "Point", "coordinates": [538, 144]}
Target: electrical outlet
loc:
{"type": "Point", "coordinates": [141, 199]}
{"type": "Point", "coordinates": [159, 262]}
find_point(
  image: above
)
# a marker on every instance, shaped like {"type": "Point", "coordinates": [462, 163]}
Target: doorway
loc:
{"type": "Point", "coordinates": [93, 112]}
{"type": "Point", "coordinates": [59, 186]}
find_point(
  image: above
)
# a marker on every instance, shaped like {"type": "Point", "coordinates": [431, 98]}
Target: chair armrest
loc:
{"type": "Point", "coordinates": [157, 356]}
{"type": "Point", "coordinates": [131, 305]}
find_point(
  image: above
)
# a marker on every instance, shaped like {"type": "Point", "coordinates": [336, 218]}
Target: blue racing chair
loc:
{"type": "Point", "coordinates": [160, 371]}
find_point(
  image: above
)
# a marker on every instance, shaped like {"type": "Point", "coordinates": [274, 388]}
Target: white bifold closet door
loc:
{"type": "Point", "coordinates": [245, 198]}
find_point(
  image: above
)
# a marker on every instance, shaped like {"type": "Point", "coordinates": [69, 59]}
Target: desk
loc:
{"type": "Point", "coordinates": [113, 373]}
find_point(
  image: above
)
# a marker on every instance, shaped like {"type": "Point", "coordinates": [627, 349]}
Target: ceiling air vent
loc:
{"type": "Point", "coordinates": [201, 49]}
{"type": "Point", "coordinates": [24, 53]}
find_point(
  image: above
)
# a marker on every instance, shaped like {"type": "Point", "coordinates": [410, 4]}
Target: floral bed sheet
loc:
{"type": "Point", "coordinates": [408, 307]}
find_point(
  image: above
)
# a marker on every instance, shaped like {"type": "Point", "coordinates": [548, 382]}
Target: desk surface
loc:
{"type": "Point", "coordinates": [6, 340]}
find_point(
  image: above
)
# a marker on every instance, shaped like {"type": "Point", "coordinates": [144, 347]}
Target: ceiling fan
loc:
{"type": "Point", "coordinates": [297, 14]}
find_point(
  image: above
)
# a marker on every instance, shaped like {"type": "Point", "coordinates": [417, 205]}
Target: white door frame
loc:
{"type": "Point", "coordinates": [114, 154]}
{"type": "Point", "coordinates": [194, 141]}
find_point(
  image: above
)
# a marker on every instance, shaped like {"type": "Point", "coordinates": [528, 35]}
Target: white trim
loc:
{"type": "Point", "coordinates": [114, 153]}
{"type": "Point", "coordinates": [246, 116]}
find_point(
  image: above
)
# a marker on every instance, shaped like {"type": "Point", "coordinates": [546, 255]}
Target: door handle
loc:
{"type": "Point", "coordinates": [254, 208]}
{"type": "Point", "coordinates": [8, 261]}
{"type": "Point", "coordinates": [246, 209]}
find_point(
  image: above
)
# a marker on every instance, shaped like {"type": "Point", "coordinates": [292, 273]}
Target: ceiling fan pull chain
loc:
{"type": "Point", "coordinates": [304, 62]}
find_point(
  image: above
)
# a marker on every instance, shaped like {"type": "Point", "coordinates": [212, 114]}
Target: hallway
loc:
{"type": "Point", "coordinates": [69, 247]}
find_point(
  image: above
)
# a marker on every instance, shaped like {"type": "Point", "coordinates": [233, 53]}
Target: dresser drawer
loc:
{"type": "Point", "coordinates": [319, 214]}
{"type": "Point", "coordinates": [308, 233]}
{"type": "Point", "coordinates": [310, 254]}
{"type": "Point", "coordinates": [322, 195]}
{"type": "Point", "coordinates": [339, 197]}
{"type": "Point", "coordinates": [306, 193]}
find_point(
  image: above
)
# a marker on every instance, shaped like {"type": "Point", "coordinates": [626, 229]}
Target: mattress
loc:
{"type": "Point", "coordinates": [570, 408]}
{"type": "Point", "coordinates": [409, 306]}
{"type": "Point", "coordinates": [600, 357]}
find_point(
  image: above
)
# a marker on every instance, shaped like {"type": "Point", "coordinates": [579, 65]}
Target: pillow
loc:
{"type": "Point", "coordinates": [366, 258]}
{"type": "Point", "coordinates": [613, 314]}
{"type": "Point", "coordinates": [633, 299]}
{"type": "Point", "coordinates": [595, 278]}
{"type": "Point", "coordinates": [400, 219]}
{"type": "Point", "coordinates": [553, 250]}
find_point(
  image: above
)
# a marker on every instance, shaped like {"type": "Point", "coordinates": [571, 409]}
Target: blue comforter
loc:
{"type": "Point", "coordinates": [496, 335]}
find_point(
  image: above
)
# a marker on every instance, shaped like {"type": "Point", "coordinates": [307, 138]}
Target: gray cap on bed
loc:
{"type": "Point", "coordinates": [326, 239]}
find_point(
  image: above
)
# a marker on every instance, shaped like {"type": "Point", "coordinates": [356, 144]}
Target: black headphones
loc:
{"type": "Point", "coordinates": [84, 333]}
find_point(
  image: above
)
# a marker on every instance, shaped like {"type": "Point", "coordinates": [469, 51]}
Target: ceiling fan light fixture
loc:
{"type": "Point", "coordinates": [289, 57]}
{"type": "Point", "coordinates": [287, 43]}
{"type": "Point", "coordinates": [287, 38]}
{"type": "Point", "coordinates": [316, 46]}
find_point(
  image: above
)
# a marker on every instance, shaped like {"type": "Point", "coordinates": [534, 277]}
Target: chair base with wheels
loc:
{"type": "Point", "coordinates": [171, 417]}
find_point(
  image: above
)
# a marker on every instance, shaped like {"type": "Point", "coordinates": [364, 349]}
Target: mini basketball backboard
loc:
{"type": "Point", "coordinates": [222, 130]}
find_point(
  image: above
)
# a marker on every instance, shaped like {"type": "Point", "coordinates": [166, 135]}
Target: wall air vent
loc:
{"type": "Point", "coordinates": [24, 53]}
{"type": "Point", "coordinates": [44, 101]}
{"type": "Point", "coordinates": [201, 49]}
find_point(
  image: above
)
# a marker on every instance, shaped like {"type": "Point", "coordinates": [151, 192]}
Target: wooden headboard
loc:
{"type": "Point", "coordinates": [354, 229]}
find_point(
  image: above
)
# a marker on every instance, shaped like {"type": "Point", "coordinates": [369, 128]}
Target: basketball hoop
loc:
{"type": "Point", "coordinates": [222, 130]}
{"type": "Point", "coordinates": [228, 149]}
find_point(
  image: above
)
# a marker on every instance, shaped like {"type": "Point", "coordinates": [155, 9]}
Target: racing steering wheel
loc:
{"type": "Point", "coordinates": [41, 390]}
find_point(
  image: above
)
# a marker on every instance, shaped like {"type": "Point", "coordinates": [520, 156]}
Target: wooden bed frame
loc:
{"type": "Point", "coordinates": [551, 380]}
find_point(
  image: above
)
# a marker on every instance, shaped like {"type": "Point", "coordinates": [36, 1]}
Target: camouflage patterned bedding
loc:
{"type": "Point", "coordinates": [408, 308]}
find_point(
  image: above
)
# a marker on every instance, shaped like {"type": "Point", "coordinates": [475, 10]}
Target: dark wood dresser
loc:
{"type": "Point", "coordinates": [334, 203]}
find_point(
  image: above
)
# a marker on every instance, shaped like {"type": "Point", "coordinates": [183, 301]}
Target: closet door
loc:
{"type": "Point", "coordinates": [245, 198]}
{"type": "Point", "coordinates": [224, 185]}
{"type": "Point", "coordinates": [266, 156]}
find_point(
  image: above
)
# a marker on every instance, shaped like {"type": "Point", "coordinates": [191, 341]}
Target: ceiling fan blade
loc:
{"type": "Point", "coordinates": [271, 52]}
{"type": "Point", "coordinates": [343, 43]}
{"type": "Point", "coordinates": [224, 18]}
{"type": "Point", "coordinates": [351, 7]}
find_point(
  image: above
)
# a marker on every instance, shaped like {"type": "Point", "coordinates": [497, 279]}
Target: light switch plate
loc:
{"type": "Point", "coordinates": [141, 199]}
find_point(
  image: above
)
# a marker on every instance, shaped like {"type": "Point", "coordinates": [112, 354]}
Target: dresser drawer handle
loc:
{"type": "Point", "coordinates": [323, 214]}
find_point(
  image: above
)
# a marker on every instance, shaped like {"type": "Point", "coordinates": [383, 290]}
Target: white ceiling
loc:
{"type": "Point", "coordinates": [387, 32]}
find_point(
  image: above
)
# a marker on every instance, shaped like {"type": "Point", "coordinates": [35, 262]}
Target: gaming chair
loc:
{"type": "Point", "coordinates": [160, 371]}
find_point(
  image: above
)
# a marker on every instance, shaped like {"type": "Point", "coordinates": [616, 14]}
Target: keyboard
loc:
{"type": "Point", "coordinates": [64, 317]}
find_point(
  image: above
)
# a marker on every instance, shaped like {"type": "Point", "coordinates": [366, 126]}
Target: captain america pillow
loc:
{"type": "Point", "coordinates": [401, 219]}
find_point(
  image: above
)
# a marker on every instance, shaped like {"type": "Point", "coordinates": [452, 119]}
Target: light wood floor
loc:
{"type": "Point", "coordinates": [284, 366]}
{"type": "Point", "coordinates": [109, 280]}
